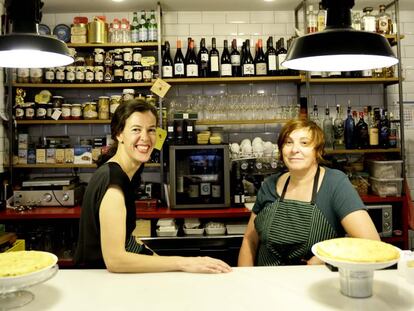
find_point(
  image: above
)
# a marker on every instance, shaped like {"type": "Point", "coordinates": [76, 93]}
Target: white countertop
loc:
{"type": "Point", "coordinates": [258, 288]}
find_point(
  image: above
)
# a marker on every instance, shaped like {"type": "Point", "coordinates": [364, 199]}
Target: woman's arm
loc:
{"type": "Point", "coordinates": [112, 218]}
{"type": "Point", "coordinates": [359, 224]}
{"type": "Point", "coordinates": [247, 254]}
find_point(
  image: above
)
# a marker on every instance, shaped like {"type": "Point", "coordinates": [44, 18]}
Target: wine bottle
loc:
{"type": "Point", "coordinates": [384, 129]}
{"type": "Point", "coordinates": [361, 133]}
{"type": "Point", "coordinates": [349, 130]}
{"type": "Point", "coordinates": [214, 64]}
{"type": "Point", "coordinates": [271, 58]}
{"type": "Point", "coordinates": [179, 68]}
{"type": "Point", "coordinates": [167, 63]}
{"type": "Point", "coordinates": [203, 59]}
{"type": "Point", "coordinates": [281, 56]}
{"type": "Point", "coordinates": [226, 66]}
{"type": "Point", "coordinates": [191, 66]}
{"type": "Point", "coordinates": [373, 128]}
{"type": "Point", "coordinates": [187, 53]}
{"type": "Point", "coordinates": [247, 63]}
{"type": "Point", "coordinates": [328, 129]}
{"type": "Point", "coordinates": [235, 60]}
{"type": "Point", "coordinates": [260, 60]}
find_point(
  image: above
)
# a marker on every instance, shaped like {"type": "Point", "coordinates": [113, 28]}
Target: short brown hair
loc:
{"type": "Point", "coordinates": [317, 137]}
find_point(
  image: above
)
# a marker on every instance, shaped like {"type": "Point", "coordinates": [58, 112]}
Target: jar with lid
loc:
{"type": "Point", "coordinates": [99, 74]}
{"type": "Point", "coordinates": [49, 111]}
{"type": "Point", "coordinates": [50, 75]}
{"type": "Point", "coordinates": [89, 60]}
{"type": "Point", "coordinates": [136, 56]}
{"type": "Point", "coordinates": [108, 58]}
{"type": "Point", "coordinates": [127, 56]}
{"type": "Point", "coordinates": [57, 101]}
{"type": "Point", "coordinates": [146, 74]}
{"type": "Point", "coordinates": [66, 111]}
{"type": "Point", "coordinates": [368, 21]}
{"type": "Point", "coordinates": [118, 69]}
{"type": "Point", "coordinates": [89, 74]}
{"type": "Point", "coordinates": [99, 56]}
{"type": "Point", "coordinates": [128, 94]}
{"type": "Point", "coordinates": [127, 73]}
{"type": "Point", "coordinates": [29, 111]}
{"type": "Point", "coordinates": [19, 112]}
{"type": "Point", "coordinates": [76, 112]}
{"type": "Point", "coordinates": [150, 99]}
{"type": "Point", "coordinates": [80, 69]}
{"type": "Point", "coordinates": [137, 73]}
{"type": "Point", "coordinates": [103, 108]}
{"type": "Point", "coordinates": [89, 111]}
{"type": "Point", "coordinates": [23, 75]}
{"type": "Point", "coordinates": [115, 101]}
{"type": "Point", "coordinates": [108, 77]}
{"type": "Point", "coordinates": [36, 75]}
{"type": "Point", "coordinates": [41, 111]}
{"type": "Point", "coordinates": [60, 74]}
{"type": "Point", "coordinates": [70, 74]}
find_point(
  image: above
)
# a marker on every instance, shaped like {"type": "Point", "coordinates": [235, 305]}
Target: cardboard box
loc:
{"type": "Point", "coordinates": [23, 141]}
{"type": "Point", "coordinates": [22, 156]}
{"type": "Point", "coordinates": [51, 155]}
{"type": "Point", "coordinates": [82, 155]}
{"type": "Point", "coordinates": [40, 155]}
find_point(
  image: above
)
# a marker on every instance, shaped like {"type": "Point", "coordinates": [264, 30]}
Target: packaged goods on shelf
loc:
{"type": "Point", "coordinates": [385, 169]}
{"type": "Point", "coordinates": [82, 155]}
{"type": "Point", "coordinates": [386, 187]}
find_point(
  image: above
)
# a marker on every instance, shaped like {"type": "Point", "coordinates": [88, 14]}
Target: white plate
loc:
{"type": "Point", "coordinates": [14, 283]}
{"type": "Point", "coordinates": [355, 266]}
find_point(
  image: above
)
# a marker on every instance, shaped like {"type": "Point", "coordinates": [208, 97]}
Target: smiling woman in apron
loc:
{"type": "Point", "coordinates": [307, 204]}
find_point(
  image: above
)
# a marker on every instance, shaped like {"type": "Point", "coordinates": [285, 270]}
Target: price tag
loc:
{"type": "Point", "coordinates": [161, 135]}
{"type": "Point", "coordinates": [160, 87]}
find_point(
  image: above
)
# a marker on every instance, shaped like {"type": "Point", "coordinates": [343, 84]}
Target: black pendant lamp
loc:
{"type": "Point", "coordinates": [23, 47]}
{"type": "Point", "coordinates": [339, 47]}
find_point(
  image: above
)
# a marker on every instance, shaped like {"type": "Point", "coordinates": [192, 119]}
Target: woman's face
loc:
{"type": "Point", "coordinates": [139, 136]}
{"type": "Point", "coordinates": [298, 150]}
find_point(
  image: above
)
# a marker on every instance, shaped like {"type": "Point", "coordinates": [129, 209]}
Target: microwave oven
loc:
{"type": "Point", "coordinates": [381, 215]}
{"type": "Point", "coordinates": [199, 176]}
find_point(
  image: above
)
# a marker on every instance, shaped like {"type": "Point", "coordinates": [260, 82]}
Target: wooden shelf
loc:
{"type": "Point", "coordinates": [83, 85]}
{"type": "Point", "coordinates": [113, 45]}
{"type": "Point", "coordinates": [50, 165]}
{"type": "Point", "coordinates": [393, 38]}
{"type": "Point", "coordinates": [361, 151]}
{"type": "Point", "coordinates": [296, 79]}
{"type": "Point", "coordinates": [225, 122]}
{"type": "Point", "coordinates": [33, 122]}
{"type": "Point", "coordinates": [385, 81]}
{"type": "Point", "coordinates": [154, 213]}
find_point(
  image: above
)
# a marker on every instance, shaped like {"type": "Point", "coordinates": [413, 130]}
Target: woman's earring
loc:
{"type": "Point", "coordinates": [122, 142]}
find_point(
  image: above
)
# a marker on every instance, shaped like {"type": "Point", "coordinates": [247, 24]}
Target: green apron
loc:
{"type": "Point", "coordinates": [287, 229]}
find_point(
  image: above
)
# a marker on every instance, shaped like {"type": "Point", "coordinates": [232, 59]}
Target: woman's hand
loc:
{"type": "Point", "coordinates": [204, 265]}
{"type": "Point", "coordinates": [314, 261]}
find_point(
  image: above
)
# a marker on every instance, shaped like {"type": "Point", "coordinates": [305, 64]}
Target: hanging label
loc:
{"type": "Point", "coordinates": [161, 135]}
{"type": "Point", "coordinates": [160, 87]}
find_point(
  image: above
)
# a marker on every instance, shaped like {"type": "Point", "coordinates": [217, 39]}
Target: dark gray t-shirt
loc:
{"type": "Point", "coordinates": [89, 252]}
{"type": "Point", "coordinates": [336, 197]}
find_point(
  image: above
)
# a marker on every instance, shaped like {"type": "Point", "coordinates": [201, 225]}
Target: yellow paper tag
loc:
{"type": "Point", "coordinates": [148, 61]}
{"type": "Point", "coordinates": [161, 135]}
{"type": "Point", "coordinates": [160, 87]}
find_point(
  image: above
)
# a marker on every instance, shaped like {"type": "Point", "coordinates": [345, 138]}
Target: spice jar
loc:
{"type": "Point", "coordinates": [41, 111]}
{"type": "Point", "coordinates": [103, 108]}
{"type": "Point", "coordinates": [128, 94]}
{"type": "Point", "coordinates": [137, 73]}
{"type": "Point", "coordinates": [146, 74]}
{"type": "Point", "coordinates": [50, 75]}
{"type": "Point", "coordinates": [66, 108]}
{"type": "Point", "coordinates": [89, 111]}
{"type": "Point", "coordinates": [23, 75]}
{"type": "Point", "coordinates": [36, 75]}
{"type": "Point", "coordinates": [115, 101]}
{"type": "Point", "coordinates": [76, 112]}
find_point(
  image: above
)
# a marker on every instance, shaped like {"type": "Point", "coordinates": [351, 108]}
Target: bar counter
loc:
{"type": "Point", "coordinates": [258, 288]}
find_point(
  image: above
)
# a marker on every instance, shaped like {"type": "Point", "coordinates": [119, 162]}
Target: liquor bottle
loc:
{"type": "Point", "coordinates": [328, 129]}
{"type": "Point", "coordinates": [235, 60]}
{"type": "Point", "coordinates": [203, 59]}
{"type": "Point", "coordinates": [179, 67]}
{"type": "Point", "coordinates": [143, 28]}
{"type": "Point", "coordinates": [349, 130]}
{"type": "Point", "coordinates": [315, 116]}
{"type": "Point", "coordinates": [384, 129]}
{"type": "Point", "coordinates": [281, 56]}
{"type": "Point", "coordinates": [260, 60]}
{"type": "Point", "coordinates": [191, 66]}
{"type": "Point", "coordinates": [356, 21]}
{"type": "Point", "coordinates": [373, 129]}
{"type": "Point", "coordinates": [191, 138]}
{"type": "Point", "coordinates": [321, 19]}
{"type": "Point", "coordinates": [312, 25]}
{"type": "Point", "coordinates": [135, 28]}
{"type": "Point", "coordinates": [214, 64]}
{"type": "Point", "coordinates": [226, 66]}
{"type": "Point", "coordinates": [368, 20]}
{"type": "Point", "coordinates": [383, 23]}
{"type": "Point", "coordinates": [361, 133]}
{"type": "Point", "coordinates": [247, 63]}
{"type": "Point", "coordinates": [152, 28]}
{"type": "Point", "coordinates": [167, 63]}
{"type": "Point", "coordinates": [339, 129]}
{"type": "Point", "coordinates": [271, 58]}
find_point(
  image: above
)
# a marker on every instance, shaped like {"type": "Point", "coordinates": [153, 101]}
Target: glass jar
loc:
{"type": "Point", "coordinates": [76, 112]}
{"type": "Point", "coordinates": [103, 108]}
{"type": "Point", "coordinates": [29, 111]}
{"type": "Point", "coordinates": [150, 99]}
{"type": "Point", "coordinates": [115, 101]}
{"type": "Point", "coordinates": [50, 75]}
{"type": "Point", "coordinates": [146, 74]}
{"type": "Point", "coordinates": [57, 101]}
{"type": "Point", "coordinates": [66, 111]}
{"type": "Point", "coordinates": [368, 22]}
{"type": "Point", "coordinates": [108, 78]}
{"type": "Point", "coordinates": [19, 112]}
{"type": "Point", "coordinates": [99, 56]}
{"type": "Point", "coordinates": [80, 70]}
{"type": "Point", "coordinates": [89, 111]}
{"type": "Point", "coordinates": [70, 74]}
{"type": "Point", "coordinates": [60, 74]}
{"type": "Point", "coordinates": [99, 74]}
{"type": "Point", "coordinates": [23, 75]}
{"type": "Point", "coordinates": [89, 60]}
{"type": "Point", "coordinates": [36, 75]}
{"type": "Point", "coordinates": [49, 110]}
{"type": "Point", "coordinates": [127, 73]}
{"type": "Point", "coordinates": [89, 74]}
{"type": "Point", "coordinates": [136, 56]}
{"type": "Point", "coordinates": [127, 56]}
{"type": "Point", "coordinates": [118, 69]}
{"type": "Point", "coordinates": [137, 73]}
{"type": "Point", "coordinates": [41, 111]}
{"type": "Point", "coordinates": [128, 94]}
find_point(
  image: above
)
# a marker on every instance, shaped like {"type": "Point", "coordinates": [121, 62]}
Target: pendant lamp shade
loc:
{"type": "Point", "coordinates": [339, 47]}
{"type": "Point", "coordinates": [23, 47]}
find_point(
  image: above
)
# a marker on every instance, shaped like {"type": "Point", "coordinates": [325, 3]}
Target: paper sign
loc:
{"type": "Point", "coordinates": [160, 88]}
{"type": "Point", "coordinates": [161, 135]}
